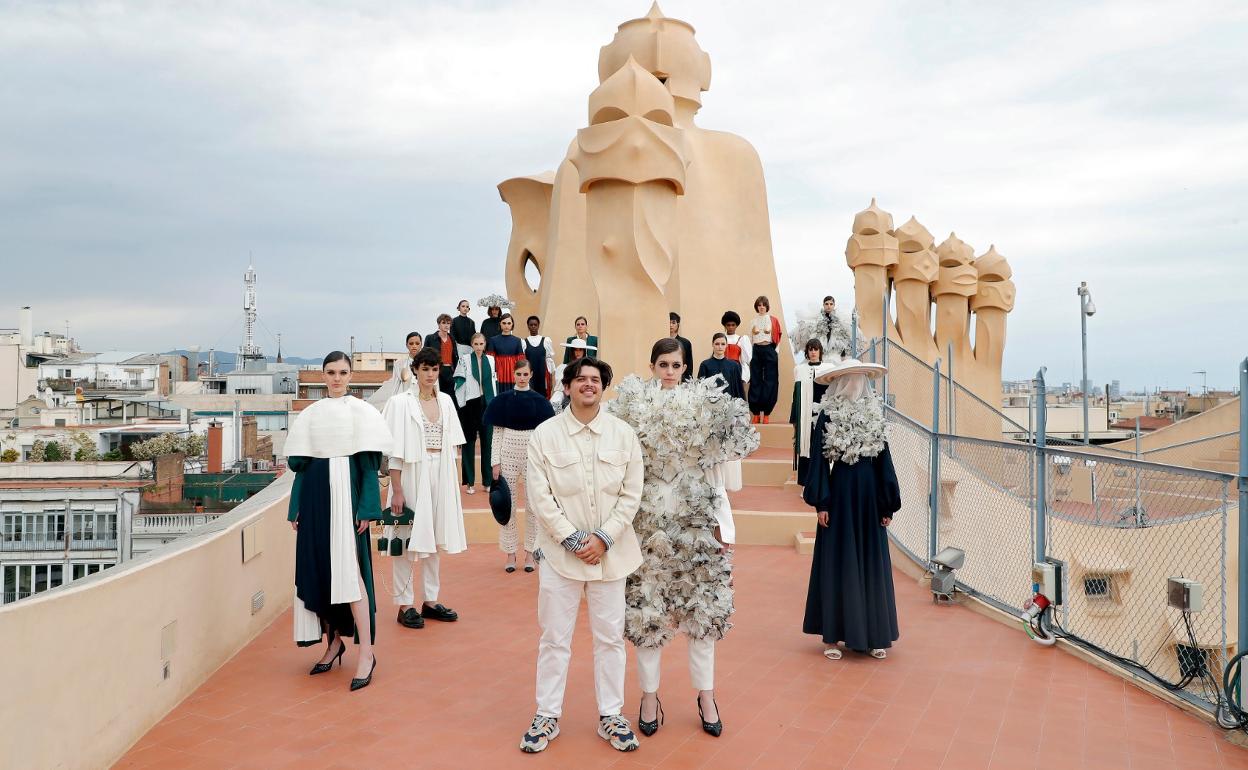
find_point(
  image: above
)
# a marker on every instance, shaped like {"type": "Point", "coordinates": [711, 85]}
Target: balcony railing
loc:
{"type": "Point", "coordinates": [58, 544]}
{"type": "Point", "coordinates": [170, 523]}
{"type": "Point", "coordinates": [68, 384]}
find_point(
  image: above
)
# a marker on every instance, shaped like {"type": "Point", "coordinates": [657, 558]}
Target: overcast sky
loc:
{"type": "Point", "coordinates": [146, 149]}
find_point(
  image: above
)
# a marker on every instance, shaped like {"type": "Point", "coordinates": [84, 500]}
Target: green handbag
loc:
{"type": "Point", "coordinates": [387, 542]}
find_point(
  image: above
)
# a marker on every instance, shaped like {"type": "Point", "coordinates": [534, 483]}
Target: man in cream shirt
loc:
{"type": "Point", "coordinates": [584, 484]}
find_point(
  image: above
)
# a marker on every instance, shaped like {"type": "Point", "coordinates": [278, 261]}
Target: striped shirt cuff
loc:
{"type": "Point", "coordinates": [575, 541]}
{"type": "Point", "coordinates": [605, 538]}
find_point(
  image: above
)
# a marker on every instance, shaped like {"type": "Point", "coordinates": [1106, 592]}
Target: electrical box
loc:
{"type": "Point", "coordinates": [1046, 578]}
{"type": "Point", "coordinates": [1184, 594]}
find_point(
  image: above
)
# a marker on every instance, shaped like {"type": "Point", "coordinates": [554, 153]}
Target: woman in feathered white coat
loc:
{"type": "Point", "coordinates": [684, 583]}
{"type": "Point", "coordinates": [423, 477]}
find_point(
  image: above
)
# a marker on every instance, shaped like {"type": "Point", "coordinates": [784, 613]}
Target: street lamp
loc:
{"type": "Point", "coordinates": [1086, 309]}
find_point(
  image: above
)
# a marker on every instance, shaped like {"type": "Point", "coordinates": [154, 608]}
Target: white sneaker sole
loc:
{"type": "Point", "coordinates": [528, 748]}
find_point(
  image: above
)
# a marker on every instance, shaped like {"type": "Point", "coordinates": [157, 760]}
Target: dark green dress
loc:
{"type": "Point", "coordinates": [309, 504]}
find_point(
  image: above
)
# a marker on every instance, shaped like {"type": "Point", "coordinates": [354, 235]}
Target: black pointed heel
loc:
{"type": "Point", "coordinates": [359, 684]}
{"type": "Point", "coordinates": [650, 728]}
{"type": "Point", "coordinates": [321, 668]}
{"type": "Point", "coordinates": [711, 728]}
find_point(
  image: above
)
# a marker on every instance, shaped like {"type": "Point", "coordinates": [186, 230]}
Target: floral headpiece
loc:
{"type": "Point", "coordinates": [496, 300]}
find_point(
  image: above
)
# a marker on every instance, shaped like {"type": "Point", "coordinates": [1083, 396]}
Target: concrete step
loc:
{"type": "Point", "coordinates": [776, 435]}
{"type": "Point", "coordinates": [1231, 455]}
{"type": "Point", "coordinates": [804, 542]}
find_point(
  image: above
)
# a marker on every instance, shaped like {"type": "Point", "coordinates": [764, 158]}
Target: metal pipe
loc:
{"type": "Point", "coordinates": [950, 395]}
{"type": "Point", "coordinates": [1042, 481]}
{"type": "Point", "coordinates": [1083, 327]}
{"type": "Point", "coordinates": [934, 493]}
{"type": "Point", "coordinates": [1242, 636]}
{"type": "Point", "coordinates": [884, 347]}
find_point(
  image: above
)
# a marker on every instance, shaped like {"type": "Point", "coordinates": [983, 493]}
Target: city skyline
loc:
{"type": "Point", "coordinates": [354, 150]}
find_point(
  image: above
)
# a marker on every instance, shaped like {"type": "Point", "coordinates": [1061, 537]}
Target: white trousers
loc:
{"type": "Point", "coordinates": [404, 582]}
{"type": "Point", "coordinates": [558, 603]}
{"type": "Point", "coordinates": [701, 665]}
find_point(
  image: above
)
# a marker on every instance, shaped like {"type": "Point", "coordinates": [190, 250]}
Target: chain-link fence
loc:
{"type": "Point", "coordinates": [1120, 526]}
{"type": "Point", "coordinates": [1123, 528]}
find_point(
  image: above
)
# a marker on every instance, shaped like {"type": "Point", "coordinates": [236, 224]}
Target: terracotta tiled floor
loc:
{"type": "Point", "coordinates": [958, 691]}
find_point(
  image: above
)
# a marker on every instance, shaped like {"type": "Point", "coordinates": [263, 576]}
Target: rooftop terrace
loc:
{"type": "Point", "coordinates": [958, 691]}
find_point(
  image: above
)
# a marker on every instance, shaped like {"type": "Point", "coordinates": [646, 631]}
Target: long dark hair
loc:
{"type": "Point", "coordinates": [667, 345]}
{"type": "Point", "coordinates": [334, 357]}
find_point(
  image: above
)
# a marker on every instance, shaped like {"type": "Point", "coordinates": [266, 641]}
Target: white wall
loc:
{"type": "Point", "coordinates": [17, 382]}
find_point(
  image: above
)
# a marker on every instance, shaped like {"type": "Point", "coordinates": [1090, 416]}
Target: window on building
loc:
{"type": "Point", "coordinates": [1193, 661]}
{"type": "Point", "coordinates": [1098, 588]}
{"type": "Point", "coordinates": [246, 391]}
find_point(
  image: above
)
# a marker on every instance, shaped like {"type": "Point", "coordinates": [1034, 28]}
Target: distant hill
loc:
{"type": "Point", "coordinates": [225, 359]}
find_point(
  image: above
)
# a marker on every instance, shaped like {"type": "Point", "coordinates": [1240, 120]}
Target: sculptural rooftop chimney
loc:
{"type": "Point", "coordinates": [666, 48]}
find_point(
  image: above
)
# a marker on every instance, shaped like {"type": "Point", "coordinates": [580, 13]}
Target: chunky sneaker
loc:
{"type": "Point", "coordinates": [618, 732]}
{"type": "Point", "coordinates": [540, 734]}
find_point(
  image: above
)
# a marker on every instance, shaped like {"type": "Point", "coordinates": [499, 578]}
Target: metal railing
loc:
{"type": "Point", "coordinates": [58, 544]}
{"type": "Point", "coordinates": [164, 523]}
{"type": "Point", "coordinates": [1121, 526]}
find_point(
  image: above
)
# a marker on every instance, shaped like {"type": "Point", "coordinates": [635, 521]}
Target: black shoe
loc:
{"type": "Point", "coordinates": [359, 684]}
{"type": "Point", "coordinates": [410, 618]}
{"type": "Point", "coordinates": [650, 728]}
{"type": "Point", "coordinates": [438, 612]}
{"type": "Point", "coordinates": [510, 568]}
{"type": "Point", "coordinates": [711, 728]}
{"type": "Point", "coordinates": [321, 668]}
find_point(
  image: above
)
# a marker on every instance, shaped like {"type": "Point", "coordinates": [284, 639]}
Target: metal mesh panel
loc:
{"type": "Point", "coordinates": [911, 448]}
{"type": "Point", "coordinates": [1123, 528]}
{"type": "Point", "coordinates": [987, 509]}
{"type": "Point", "coordinates": [1215, 453]}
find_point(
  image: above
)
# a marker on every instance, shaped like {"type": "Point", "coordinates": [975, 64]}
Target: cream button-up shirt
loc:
{"type": "Point", "coordinates": [585, 478]}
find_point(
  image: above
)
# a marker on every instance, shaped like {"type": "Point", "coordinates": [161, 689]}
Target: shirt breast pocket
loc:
{"type": "Point", "coordinates": [612, 465]}
{"type": "Point", "coordinates": [565, 473]}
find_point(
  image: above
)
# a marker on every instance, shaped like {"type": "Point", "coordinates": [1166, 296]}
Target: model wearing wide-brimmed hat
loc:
{"type": "Point", "coordinates": [853, 488]}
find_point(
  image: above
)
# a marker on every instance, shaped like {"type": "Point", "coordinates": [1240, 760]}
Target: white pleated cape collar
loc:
{"type": "Point", "coordinates": [338, 427]}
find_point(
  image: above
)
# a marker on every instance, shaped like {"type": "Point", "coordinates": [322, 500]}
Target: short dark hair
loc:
{"type": "Point", "coordinates": [673, 316]}
{"type": "Point", "coordinates": [444, 318]}
{"type": "Point", "coordinates": [417, 335]}
{"type": "Point", "coordinates": [427, 356]}
{"type": "Point", "coordinates": [813, 344]}
{"type": "Point", "coordinates": [829, 298]}
{"type": "Point", "coordinates": [507, 316]}
{"type": "Point", "coordinates": [580, 318]}
{"type": "Point", "coordinates": [573, 370]}
{"type": "Point", "coordinates": [522, 363]}
{"type": "Point", "coordinates": [532, 318]}
{"type": "Point", "coordinates": [490, 310]}
{"type": "Point", "coordinates": [463, 302]}
{"type": "Point", "coordinates": [729, 317]}
{"type": "Point", "coordinates": [762, 300]}
{"type": "Point", "coordinates": [666, 345]}
{"type": "Point", "coordinates": [334, 357]}
{"type": "Point", "coordinates": [718, 335]}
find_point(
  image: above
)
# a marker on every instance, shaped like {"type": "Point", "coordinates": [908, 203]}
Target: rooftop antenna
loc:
{"type": "Point", "coordinates": [250, 351]}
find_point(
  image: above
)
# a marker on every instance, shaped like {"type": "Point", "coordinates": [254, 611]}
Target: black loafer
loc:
{"type": "Point", "coordinates": [438, 612]}
{"type": "Point", "coordinates": [410, 618]}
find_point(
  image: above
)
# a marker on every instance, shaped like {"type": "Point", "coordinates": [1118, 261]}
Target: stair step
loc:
{"type": "Point", "coordinates": [804, 542]}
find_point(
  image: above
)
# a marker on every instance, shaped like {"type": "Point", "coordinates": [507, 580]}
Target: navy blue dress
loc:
{"type": "Point", "coordinates": [850, 598]}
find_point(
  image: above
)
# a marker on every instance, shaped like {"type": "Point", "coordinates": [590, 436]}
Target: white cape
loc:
{"type": "Point", "coordinates": [437, 524]}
